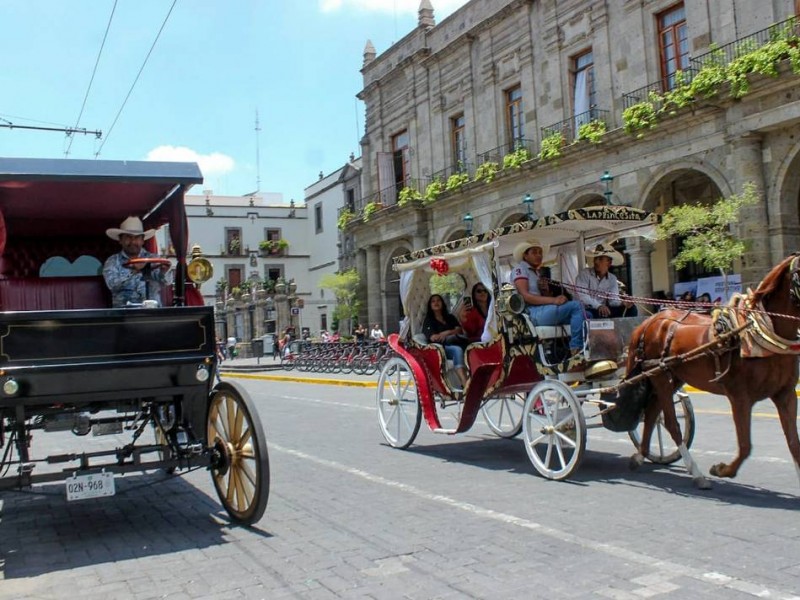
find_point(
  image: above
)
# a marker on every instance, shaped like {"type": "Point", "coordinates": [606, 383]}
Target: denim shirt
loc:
{"type": "Point", "coordinates": [128, 285]}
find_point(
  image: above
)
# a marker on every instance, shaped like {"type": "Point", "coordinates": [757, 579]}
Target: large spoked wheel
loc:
{"type": "Point", "coordinates": [663, 450]}
{"type": "Point", "coordinates": [503, 414]}
{"type": "Point", "coordinates": [399, 413]}
{"type": "Point", "coordinates": [554, 429]}
{"type": "Point", "coordinates": [240, 468]}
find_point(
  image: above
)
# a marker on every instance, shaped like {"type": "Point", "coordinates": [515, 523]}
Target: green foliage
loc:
{"type": "Point", "coordinates": [432, 192]}
{"type": "Point", "coordinates": [515, 159]}
{"type": "Point", "coordinates": [678, 97]}
{"type": "Point", "coordinates": [408, 194]}
{"type": "Point", "coordinates": [222, 285]}
{"type": "Point", "coordinates": [450, 286]}
{"type": "Point", "coordinates": [706, 231]}
{"type": "Point", "coordinates": [456, 180]}
{"type": "Point", "coordinates": [370, 210]}
{"type": "Point", "coordinates": [592, 131]}
{"type": "Point", "coordinates": [638, 117]}
{"type": "Point", "coordinates": [344, 286]}
{"type": "Point", "coordinates": [344, 218]}
{"type": "Point", "coordinates": [551, 146]}
{"type": "Point", "coordinates": [486, 171]}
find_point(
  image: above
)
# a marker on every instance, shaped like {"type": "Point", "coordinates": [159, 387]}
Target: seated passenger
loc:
{"type": "Point", "coordinates": [440, 327]}
{"type": "Point", "coordinates": [598, 289]}
{"type": "Point", "coordinates": [473, 317]}
{"type": "Point", "coordinates": [127, 284]}
{"type": "Point", "coordinates": [544, 309]}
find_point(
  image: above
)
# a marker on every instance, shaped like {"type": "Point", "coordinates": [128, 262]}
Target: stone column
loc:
{"type": "Point", "coordinates": [748, 167]}
{"type": "Point", "coordinates": [363, 287]}
{"type": "Point", "coordinates": [638, 251]}
{"type": "Point", "coordinates": [374, 308]}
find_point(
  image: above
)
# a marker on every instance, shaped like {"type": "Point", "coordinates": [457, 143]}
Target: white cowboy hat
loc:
{"type": "Point", "coordinates": [520, 248]}
{"type": "Point", "coordinates": [606, 250]}
{"type": "Point", "coordinates": [131, 226]}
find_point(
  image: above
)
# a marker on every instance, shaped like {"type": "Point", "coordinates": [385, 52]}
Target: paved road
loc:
{"type": "Point", "coordinates": [452, 517]}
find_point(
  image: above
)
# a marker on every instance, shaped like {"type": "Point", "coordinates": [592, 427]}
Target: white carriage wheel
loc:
{"type": "Point", "coordinates": [399, 413]}
{"type": "Point", "coordinates": [503, 414]}
{"type": "Point", "coordinates": [555, 429]}
{"type": "Point", "coordinates": [663, 450]}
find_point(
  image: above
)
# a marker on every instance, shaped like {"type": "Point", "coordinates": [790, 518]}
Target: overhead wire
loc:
{"type": "Point", "coordinates": [91, 80]}
{"type": "Point", "coordinates": [133, 85]}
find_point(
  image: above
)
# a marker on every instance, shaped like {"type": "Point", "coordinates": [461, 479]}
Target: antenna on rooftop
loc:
{"type": "Point", "coordinates": [258, 156]}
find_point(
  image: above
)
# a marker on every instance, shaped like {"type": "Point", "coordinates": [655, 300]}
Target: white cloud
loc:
{"type": "Point", "coordinates": [215, 163]}
{"type": "Point", "coordinates": [440, 7]}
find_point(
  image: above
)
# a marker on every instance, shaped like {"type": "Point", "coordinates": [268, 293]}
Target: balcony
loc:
{"type": "Point", "coordinates": [457, 169]}
{"type": "Point", "coordinates": [497, 154]}
{"type": "Point", "coordinates": [659, 87]}
{"type": "Point", "coordinates": [790, 28]}
{"type": "Point", "coordinates": [569, 127]}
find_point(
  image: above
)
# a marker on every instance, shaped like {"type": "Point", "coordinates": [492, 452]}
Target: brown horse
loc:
{"type": "Point", "coordinates": [744, 381]}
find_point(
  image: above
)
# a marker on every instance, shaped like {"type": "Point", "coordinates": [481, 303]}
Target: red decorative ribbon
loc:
{"type": "Point", "coordinates": [440, 266]}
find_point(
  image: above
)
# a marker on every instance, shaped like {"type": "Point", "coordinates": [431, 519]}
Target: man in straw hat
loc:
{"type": "Point", "coordinates": [127, 283]}
{"type": "Point", "coordinates": [544, 309]}
{"type": "Point", "coordinates": [598, 289]}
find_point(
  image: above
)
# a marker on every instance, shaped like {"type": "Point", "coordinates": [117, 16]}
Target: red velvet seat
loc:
{"type": "Point", "coordinates": [54, 293]}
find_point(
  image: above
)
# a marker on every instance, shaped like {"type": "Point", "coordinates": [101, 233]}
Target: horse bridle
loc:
{"type": "Point", "coordinates": [794, 272]}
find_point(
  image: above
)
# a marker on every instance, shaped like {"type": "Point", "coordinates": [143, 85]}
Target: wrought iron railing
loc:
{"type": "Point", "coordinates": [457, 169]}
{"type": "Point", "coordinates": [658, 87]}
{"type": "Point", "coordinates": [790, 28]}
{"type": "Point", "coordinates": [569, 127]}
{"type": "Point", "coordinates": [497, 154]}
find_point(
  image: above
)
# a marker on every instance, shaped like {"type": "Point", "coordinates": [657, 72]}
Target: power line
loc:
{"type": "Point", "coordinates": [130, 91]}
{"type": "Point", "coordinates": [91, 80]}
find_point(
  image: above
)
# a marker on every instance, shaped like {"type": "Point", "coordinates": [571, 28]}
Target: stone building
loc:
{"type": "Point", "coordinates": [500, 75]}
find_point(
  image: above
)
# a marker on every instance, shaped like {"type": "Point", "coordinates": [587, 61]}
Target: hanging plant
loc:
{"type": "Point", "coordinates": [486, 171]}
{"type": "Point", "coordinates": [456, 180]}
{"type": "Point", "coordinates": [639, 116]}
{"type": "Point", "coordinates": [344, 219]}
{"type": "Point", "coordinates": [514, 160]}
{"type": "Point", "coordinates": [369, 210]}
{"type": "Point", "coordinates": [432, 192]}
{"type": "Point", "coordinates": [408, 194]}
{"type": "Point", "coordinates": [551, 146]}
{"type": "Point", "coordinates": [592, 131]}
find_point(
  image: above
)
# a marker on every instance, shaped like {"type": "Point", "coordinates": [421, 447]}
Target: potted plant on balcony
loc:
{"type": "Point", "coordinates": [592, 131]}
{"type": "Point", "coordinates": [221, 287]}
{"type": "Point", "coordinates": [234, 246]}
{"type": "Point", "coordinates": [552, 145]}
{"type": "Point", "coordinates": [369, 210]}
{"type": "Point", "coordinates": [344, 218]}
{"type": "Point", "coordinates": [281, 245]}
{"type": "Point", "coordinates": [408, 194]}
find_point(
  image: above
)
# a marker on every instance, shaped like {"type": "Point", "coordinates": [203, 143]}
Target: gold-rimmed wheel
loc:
{"type": "Point", "coordinates": [240, 464]}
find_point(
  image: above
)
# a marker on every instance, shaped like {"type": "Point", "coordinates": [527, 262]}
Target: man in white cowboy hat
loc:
{"type": "Point", "coordinates": [598, 289]}
{"type": "Point", "coordinates": [127, 283]}
{"type": "Point", "coordinates": [546, 309]}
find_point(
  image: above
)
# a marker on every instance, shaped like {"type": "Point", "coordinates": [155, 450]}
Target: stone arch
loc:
{"type": "Point", "coordinates": [674, 184]}
{"type": "Point", "coordinates": [783, 205]}
{"type": "Point", "coordinates": [509, 217]}
{"type": "Point", "coordinates": [583, 199]}
{"type": "Point", "coordinates": [390, 290]}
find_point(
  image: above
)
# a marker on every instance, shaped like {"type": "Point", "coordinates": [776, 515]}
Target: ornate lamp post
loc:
{"type": "Point", "coordinates": [468, 224]}
{"type": "Point", "coordinates": [528, 202]}
{"type": "Point", "coordinates": [607, 179]}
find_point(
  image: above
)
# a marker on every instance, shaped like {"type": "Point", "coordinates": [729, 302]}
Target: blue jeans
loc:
{"type": "Point", "coordinates": [456, 354]}
{"type": "Point", "coordinates": [570, 313]}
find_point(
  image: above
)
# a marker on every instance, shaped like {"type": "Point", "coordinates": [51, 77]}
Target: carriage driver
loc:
{"type": "Point", "coordinates": [544, 309]}
{"type": "Point", "coordinates": [598, 289]}
{"type": "Point", "coordinates": [127, 283]}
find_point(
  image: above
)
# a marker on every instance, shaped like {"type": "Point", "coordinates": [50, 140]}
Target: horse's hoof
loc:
{"type": "Point", "coordinates": [702, 483]}
{"type": "Point", "coordinates": [635, 462]}
{"type": "Point", "coordinates": [716, 470]}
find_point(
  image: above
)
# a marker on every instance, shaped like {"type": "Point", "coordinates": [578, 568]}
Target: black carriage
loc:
{"type": "Point", "coordinates": [72, 365]}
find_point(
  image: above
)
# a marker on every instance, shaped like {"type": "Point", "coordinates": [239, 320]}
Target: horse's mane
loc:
{"type": "Point", "coordinates": [771, 282]}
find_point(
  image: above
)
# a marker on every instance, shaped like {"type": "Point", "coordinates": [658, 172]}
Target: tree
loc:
{"type": "Point", "coordinates": [449, 286]}
{"type": "Point", "coordinates": [706, 231]}
{"type": "Point", "coordinates": [344, 286]}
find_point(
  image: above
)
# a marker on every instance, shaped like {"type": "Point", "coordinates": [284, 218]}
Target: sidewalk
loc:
{"type": "Point", "coordinates": [269, 369]}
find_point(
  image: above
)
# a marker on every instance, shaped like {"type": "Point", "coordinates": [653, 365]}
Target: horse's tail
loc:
{"type": "Point", "coordinates": [636, 349]}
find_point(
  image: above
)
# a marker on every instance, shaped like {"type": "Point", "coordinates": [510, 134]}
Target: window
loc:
{"type": "Point", "coordinates": [400, 159]}
{"type": "Point", "coordinates": [234, 275]}
{"type": "Point", "coordinates": [318, 217]}
{"type": "Point", "coordinates": [351, 200]}
{"type": "Point", "coordinates": [514, 118]}
{"type": "Point", "coordinates": [673, 43]}
{"type": "Point", "coordinates": [458, 141]}
{"type": "Point", "coordinates": [233, 241]}
{"type": "Point", "coordinates": [583, 92]}
{"type": "Point", "coordinates": [272, 234]}
{"type": "Point", "coordinates": [273, 272]}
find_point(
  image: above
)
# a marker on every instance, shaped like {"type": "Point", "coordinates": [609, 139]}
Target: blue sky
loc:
{"type": "Point", "coordinates": [215, 63]}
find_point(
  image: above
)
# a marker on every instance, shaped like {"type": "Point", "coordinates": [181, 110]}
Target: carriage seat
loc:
{"type": "Point", "coordinates": [53, 293]}
{"type": "Point", "coordinates": [420, 339]}
{"type": "Point", "coordinates": [548, 332]}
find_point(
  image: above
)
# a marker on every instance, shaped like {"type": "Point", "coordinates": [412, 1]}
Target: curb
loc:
{"type": "Point", "coordinates": [342, 382]}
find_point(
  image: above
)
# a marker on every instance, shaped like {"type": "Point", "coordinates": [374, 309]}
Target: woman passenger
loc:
{"type": "Point", "coordinates": [440, 327]}
{"type": "Point", "coordinates": [473, 318]}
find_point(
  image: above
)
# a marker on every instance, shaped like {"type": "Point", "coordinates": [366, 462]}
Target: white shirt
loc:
{"type": "Point", "coordinates": [524, 271]}
{"type": "Point", "coordinates": [376, 333]}
{"type": "Point", "coordinates": [589, 284]}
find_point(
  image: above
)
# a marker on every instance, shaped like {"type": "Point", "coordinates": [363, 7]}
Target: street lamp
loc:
{"type": "Point", "coordinates": [468, 224]}
{"type": "Point", "coordinates": [528, 202]}
{"type": "Point", "coordinates": [607, 179]}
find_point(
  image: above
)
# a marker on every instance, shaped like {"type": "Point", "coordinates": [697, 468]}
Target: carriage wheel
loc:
{"type": "Point", "coordinates": [240, 468]}
{"type": "Point", "coordinates": [399, 414]}
{"type": "Point", "coordinates": [554, 429]}
{"type": "Point", "coordinates": [503, 414]}
{"type": "Point", "coordinates": [663, 450]}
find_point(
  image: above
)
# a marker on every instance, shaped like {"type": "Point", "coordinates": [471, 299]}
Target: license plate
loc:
{"type": "Point", "coordinates": [92, 485]}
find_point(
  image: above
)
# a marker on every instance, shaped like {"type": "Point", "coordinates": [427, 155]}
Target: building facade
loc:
{"type": "Point", "coordinates": [514, 81]}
